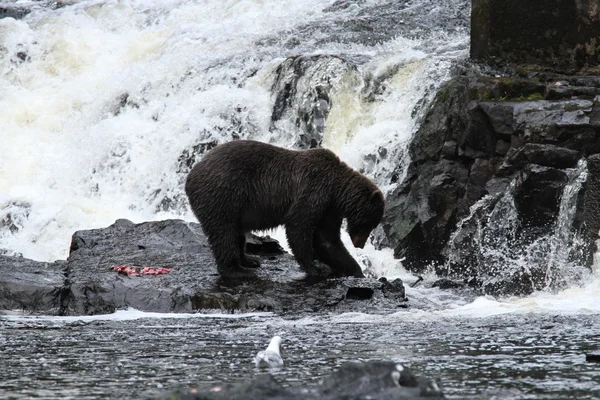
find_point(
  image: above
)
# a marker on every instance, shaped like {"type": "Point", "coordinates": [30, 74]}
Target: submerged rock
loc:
{"type": "Point", "coordinates": [13, 11]}
{"type": "Point", "coordinates": [87, 283]}
{"type": "Point", "coordinates": [593, 356]}
{"type": "Point", "coordinates": [377, 380]}
{"type": "Point", "coordinates": [12, 215]}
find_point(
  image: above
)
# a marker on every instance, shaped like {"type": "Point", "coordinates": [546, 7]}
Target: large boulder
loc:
{"type": "Point", "coordinates": [497, 163]}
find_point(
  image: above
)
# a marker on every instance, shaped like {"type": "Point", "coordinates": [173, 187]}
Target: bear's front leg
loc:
{"type": "Point", "coordinates": [299, 230]}
{"type": "Point", "coordinates": [334, 254]}
{"type": "Point", "coordinates": [330, 250]}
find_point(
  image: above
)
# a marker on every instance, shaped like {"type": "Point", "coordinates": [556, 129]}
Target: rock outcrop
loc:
{"type": "Point", "coordinates": [493, 164]}
{"type": "Point", "coordinates": [87, 283]}
{"type": "Point", "coordinates": [31, 286]}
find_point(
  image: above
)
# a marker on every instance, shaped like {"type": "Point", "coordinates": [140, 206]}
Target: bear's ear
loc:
{"type": "Point", "coordinates": [376, 194]}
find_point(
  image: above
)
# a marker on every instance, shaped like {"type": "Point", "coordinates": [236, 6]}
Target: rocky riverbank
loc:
{"type": "Point", "coordinates": [88, 284]}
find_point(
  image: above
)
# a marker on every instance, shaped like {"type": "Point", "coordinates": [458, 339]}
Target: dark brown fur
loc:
{"type": "Point", "coordinates": [245, 185]}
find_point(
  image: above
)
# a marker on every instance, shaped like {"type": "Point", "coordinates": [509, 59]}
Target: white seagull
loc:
{"type": "Point", "coordinates": [271, 357]}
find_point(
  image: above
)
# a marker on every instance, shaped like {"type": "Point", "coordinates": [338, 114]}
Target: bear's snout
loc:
{"type": "Point", "coordinates": [359, 240]}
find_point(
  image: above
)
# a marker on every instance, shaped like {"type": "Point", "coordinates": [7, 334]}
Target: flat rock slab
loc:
{"type": "Point", "coordinates": [93, 287]}
{"type": "Point", "coordinates": [30, 286]}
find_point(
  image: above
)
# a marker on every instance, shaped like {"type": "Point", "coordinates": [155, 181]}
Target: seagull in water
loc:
{"type": "Point", "coordinates": [271, 357]}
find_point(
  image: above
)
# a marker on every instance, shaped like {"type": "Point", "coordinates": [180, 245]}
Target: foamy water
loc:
{"type": "Point", "coordinates": [132, 314]}
{"type": "Point", "coordinates": [98, 101]}
{"type": "Point", "coordinates": [80, 160]}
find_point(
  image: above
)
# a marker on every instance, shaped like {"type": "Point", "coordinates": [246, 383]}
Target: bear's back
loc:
{"type": "Point", "coordinates": [243, 154]}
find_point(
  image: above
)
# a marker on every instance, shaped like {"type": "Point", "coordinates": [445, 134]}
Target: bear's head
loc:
{"type": "Point", "coordinates": [366, 216]}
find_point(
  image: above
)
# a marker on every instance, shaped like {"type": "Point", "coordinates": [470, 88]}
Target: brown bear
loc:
{"type": "Point", "coordinates": [245, 185]}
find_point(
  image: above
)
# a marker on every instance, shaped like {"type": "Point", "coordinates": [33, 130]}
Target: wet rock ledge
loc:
{"type": "Point", "coordinates": [86, 283]}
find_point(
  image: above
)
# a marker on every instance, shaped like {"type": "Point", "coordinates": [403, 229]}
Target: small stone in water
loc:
{"type": "Point", "coordinates": [593, 357]}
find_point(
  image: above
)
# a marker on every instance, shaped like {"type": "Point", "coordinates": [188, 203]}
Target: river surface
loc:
{"type": "Point", "coordinates": [514, 356]}
{"type": "Point", "coordinates": [102, 104]}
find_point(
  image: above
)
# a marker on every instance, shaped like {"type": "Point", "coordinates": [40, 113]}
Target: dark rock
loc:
{"type": "Point", "coordinates": [302, 88]}
{"type": "Point", "coordinates": [359, 293]}
{"type": "Point", "coordinates": [418, 219]}
{"type": "Point", "coordinates": [549, 34]}
{"type": "Point", "coordinates": [518, 283]}
{"type": "Point", "coordinates": [582, 138]}
{"type": "Point", "coordinates": [543, 155]}
{"type": "Point", "coordinates": [394, 290]}
{"type": "Point", "coordinates": [263, 245]}
{"type": "Point", "coordinates": [577, 92]}
{"type": "Point", "coordinates": [539, 121]}
{"type": "Point", "coordinates": [503, 88]}
{"type": "Point", "coordinates": [592, 196]}
{"type": "Point", "coordinates": [12, 215]}
{"type": "Point", "coordinates": [443, 123]}
{"type": "Point", "coordinates": [13, 11]}
{"type": "Point", "coordinates": [535, 118]}
{"type": "Point", "coordinates": [377, 380]}
{"type": "Point", "coordinates": [479, 174]}
{"type": "Point", "coordinates": [479, 139]}
{"type": "Point", "coordinates": [31, 286]}
{"type": "Point", "coordinates": [123, 222]}
{"type": "Point", "coordinates": [537, 196]}
{"type": "Point", "coordinates": [593, 357]}
{"type": "Point", "coordinates": [501, 117]}
{"type": "Point", "coordinates": [193, 283]}
{"type": "Point", "coordinates": [482, 140]}
{"type": "Point", "coordinates": [445, 283]}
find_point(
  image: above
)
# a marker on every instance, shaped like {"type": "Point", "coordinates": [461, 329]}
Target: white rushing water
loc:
{"type": "Point", "coordinates": [75, 158]}
{"type": "Point", "coordinates": [100, 99]}
{"type": "Point", "coordinates": [132, 314]}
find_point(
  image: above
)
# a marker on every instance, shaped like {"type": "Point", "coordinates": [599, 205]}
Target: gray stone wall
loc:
{"type": "Point", "coordinates": [553, 34]}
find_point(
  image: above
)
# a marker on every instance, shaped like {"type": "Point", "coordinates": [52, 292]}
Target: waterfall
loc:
{"type": "Point", "coordinates": [567, 248]}
{"type": "Point", "coordinates": [106, 105]}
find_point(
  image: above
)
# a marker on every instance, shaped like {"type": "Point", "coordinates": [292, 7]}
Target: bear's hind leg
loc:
{"type": "Point", "coordinates": [224, 243]}
{"type": "Point", "coordinates": [247, 260]}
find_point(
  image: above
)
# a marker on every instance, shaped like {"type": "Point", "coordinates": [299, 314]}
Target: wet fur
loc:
{"type": "Point", "coordinates": [243, 186]}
